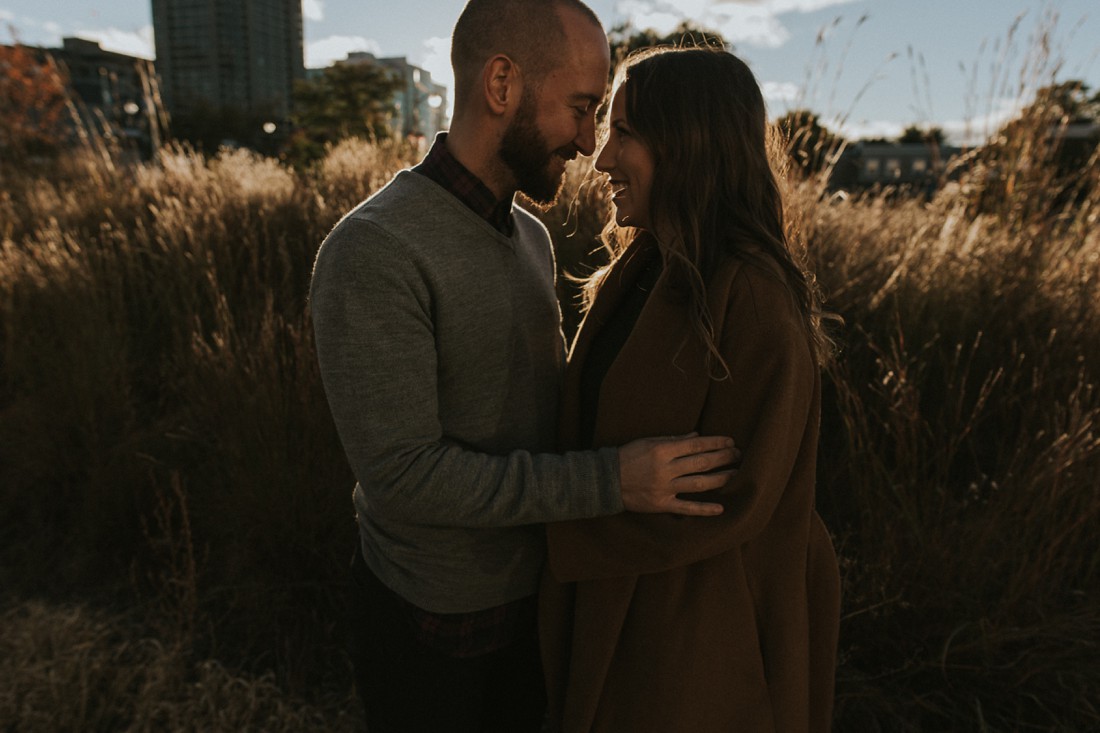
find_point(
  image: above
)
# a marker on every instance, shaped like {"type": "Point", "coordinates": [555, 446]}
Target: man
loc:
{"type": "Point", "coordinates": [438, 335]}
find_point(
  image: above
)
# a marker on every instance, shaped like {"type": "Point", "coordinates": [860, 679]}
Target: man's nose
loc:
{"type": "Point", "coordinates": [586, 137]}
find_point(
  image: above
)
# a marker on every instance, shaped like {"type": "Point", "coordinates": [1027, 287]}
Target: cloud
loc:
{"type": "Point", "coordinates": [435, 58]}
{"type": "Point", "coordinates": [970, 132]}
{"type": "Point", "coordinates": [780, 91]}
{"type": "Point", "coordinates": [750, 22]}
{"type": "Point", "coordinates": [25, 29]}
{"type": "Point", "coordinates": [322, 53]}
{"type": "Point", "coordinates": [978, 129]}
{"type": "Point", "coordinates": [313, 9]}
{"type": "Point", "coordinates": [791, 6]}
{"type": "Point", "coordinates": [134, 43]}
{"type": "Point", "coordinates": [863, 129]}
{"type": "Point", "coordinates": [965, 132]}
{"type": "Point", "coordinates": [655, 15]}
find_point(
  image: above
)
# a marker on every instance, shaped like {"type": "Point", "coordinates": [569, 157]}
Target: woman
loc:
{"type": "Point", "coordinates": [704, 322]}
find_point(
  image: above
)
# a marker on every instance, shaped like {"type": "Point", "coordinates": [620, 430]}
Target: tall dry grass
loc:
{"type": "Point", "coordinates": [961, 463]}
{"type": "Point", "coordinates": [961, 444]}
{"type": "Point", "coordinates": [73, 669]}
{"type": "Point", "coordinates": [156, 360]}
{"type": "Point", "coordinates": [169, 460]}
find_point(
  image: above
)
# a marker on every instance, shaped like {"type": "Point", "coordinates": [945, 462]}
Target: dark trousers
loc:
{"type": "Point", "coordinates": [407, 687]}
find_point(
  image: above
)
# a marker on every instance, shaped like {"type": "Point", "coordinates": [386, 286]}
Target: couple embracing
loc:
{"type": "Point", "coordinates": [535, 552]}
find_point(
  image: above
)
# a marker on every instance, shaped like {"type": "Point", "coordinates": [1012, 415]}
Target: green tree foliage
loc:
{"type": "Point", "coordinates": [1046, 156]}
{"type": "Point", "coordinates": [210, 127]}
{"type": "Point", "coordinates": [625, 39]}
{"type": "Point", "coordinates": [928, 135]}
{"type": "Point", "coordinates": [1055, 106]}
{"type": "Point", "coordinates": [346, 100]}
{"type": "Point", "coordinates": [809, 143]}
{"type": "Point", "coordinates": [1069, 101]}
{"type": "Point", "coordinates": [1072, 116]}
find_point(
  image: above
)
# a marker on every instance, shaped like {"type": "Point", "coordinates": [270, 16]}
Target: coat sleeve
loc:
{"type": "Point", "coordinates": [373, 323]}
{"type": "Point", "coordinates": [766, 405]}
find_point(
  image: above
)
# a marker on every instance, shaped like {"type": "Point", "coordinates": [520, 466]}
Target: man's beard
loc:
{"type": "Point", "coordinates": [526, 153]}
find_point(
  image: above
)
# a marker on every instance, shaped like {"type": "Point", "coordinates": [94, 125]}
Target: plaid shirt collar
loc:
{"type": "Point", "coordinates": [443, 168]}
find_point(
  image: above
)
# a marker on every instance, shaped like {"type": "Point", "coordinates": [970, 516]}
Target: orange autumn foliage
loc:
{"type": "Point", "coordinates": [34, 104]}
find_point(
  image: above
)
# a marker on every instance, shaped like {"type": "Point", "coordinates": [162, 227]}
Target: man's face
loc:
{"type": "Point", "coordinates": [558, 121]}
{"type": "Point", "coordinates": [537, 169]}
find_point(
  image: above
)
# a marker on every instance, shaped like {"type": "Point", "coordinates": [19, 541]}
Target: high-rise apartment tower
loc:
{"type": "Point", "coordinates": [240, 55]}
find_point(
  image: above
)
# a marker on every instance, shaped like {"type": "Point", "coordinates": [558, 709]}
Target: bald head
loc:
{"type": "Point", "coordinates": [530, 32]}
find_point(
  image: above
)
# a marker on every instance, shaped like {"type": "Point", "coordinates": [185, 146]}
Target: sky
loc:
{"type": "Point", "coordinates": [868, 68]}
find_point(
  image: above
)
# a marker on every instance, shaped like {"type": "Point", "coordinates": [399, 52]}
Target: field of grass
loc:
{"type": "Point", "coordinates": [177, 518]}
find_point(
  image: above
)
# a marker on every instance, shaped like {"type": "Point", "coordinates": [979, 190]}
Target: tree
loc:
{"type": "Point", "coordinates": [1057, 105]}
{"type": "Point", "coordinates": [809, 143]}
{"type": "Point", "coordinates": [625, 39]}
{"type": "Point", "coordinates": [1038, 163]}
{"type": "Point", "coordinates": [346, 100]}
{"type": "Point", "coordinates": [34, 103]}
{"type": "Point", "coordinates": [209, 126]}
{"type": "Point", "coordinates": [1067, 102]}
{"type": "Point", "coordinates": [933, 135]}
{"type": "Point", "coordinates": [1039, 134]}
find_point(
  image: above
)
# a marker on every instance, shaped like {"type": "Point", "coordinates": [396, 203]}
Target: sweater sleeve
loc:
{"type": "Point", "coordinates": [766, 406]}
{"type": "Point", "coordinates": [375, 341]}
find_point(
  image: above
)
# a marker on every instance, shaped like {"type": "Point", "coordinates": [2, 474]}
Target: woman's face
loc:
{"type": "Point", "coordinates": [629, 165]}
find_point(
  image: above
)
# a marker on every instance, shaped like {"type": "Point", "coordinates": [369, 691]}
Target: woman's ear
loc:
{"type": "Point", "coordinates": [501, 83]}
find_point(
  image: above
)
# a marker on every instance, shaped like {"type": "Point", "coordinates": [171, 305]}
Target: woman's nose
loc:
{"type": "Point", "coordinates": [604, 159]}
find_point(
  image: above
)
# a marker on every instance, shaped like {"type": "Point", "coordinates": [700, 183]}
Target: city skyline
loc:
{"type": "Point", "coordinates": [867, 67]}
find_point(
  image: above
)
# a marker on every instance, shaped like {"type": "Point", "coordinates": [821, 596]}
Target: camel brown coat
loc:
{"type": "Point", "coordinates": [667, 623]}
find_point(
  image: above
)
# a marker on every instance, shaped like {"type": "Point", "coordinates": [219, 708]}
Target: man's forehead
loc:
{"type": "Point", "coordinates": [579, 82]}
{"type": "Point", "coordinates": [588, 63]}
{"type": "Point", "coordinates": [584, 58]}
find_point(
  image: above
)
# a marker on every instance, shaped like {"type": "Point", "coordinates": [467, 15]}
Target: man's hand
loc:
{"type": "Point", "coordinates": [652, 471]}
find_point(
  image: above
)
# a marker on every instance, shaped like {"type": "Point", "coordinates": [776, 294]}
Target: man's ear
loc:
{"type": "Point", "coordinates": [502, 83]}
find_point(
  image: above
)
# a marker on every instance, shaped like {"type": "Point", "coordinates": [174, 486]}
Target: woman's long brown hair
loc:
{"type": "Point", "coordinates": [702, 115]}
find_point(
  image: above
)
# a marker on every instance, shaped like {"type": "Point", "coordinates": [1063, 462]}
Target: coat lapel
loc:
{"type": "Point", "coordinates": [658, 383]}
{"type": "Point", "coordinates": [622, 275]}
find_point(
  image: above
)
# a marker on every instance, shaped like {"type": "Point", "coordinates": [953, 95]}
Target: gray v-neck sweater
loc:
{"type": "Point", "coordinates": [440, 348]}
